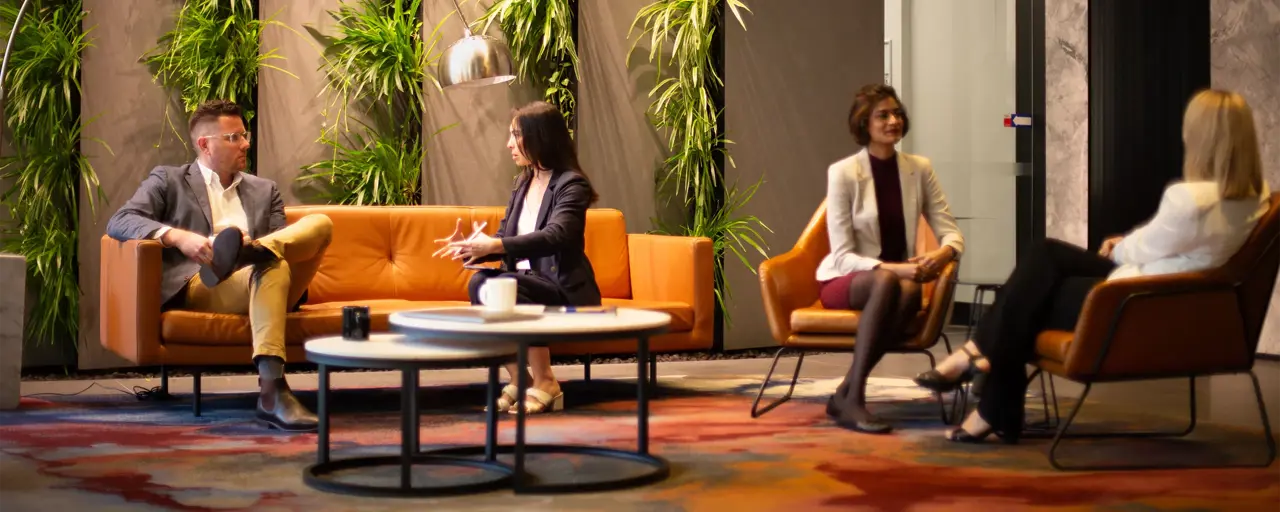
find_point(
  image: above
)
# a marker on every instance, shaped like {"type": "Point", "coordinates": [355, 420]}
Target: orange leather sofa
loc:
{"type": "Point", "coordinates": [800, 323]}
{"type": "Point", "coordinates": [381, 257]}
{"type": "Point", "coordinates": [1183, 325]}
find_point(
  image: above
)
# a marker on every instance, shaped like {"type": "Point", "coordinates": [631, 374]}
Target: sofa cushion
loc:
{"type": "Point", "coordinates": [681, 313]}
{"type": "Point", "coordinates": [314, 320]}
{"type": "Point", "coordinates": [198, 328]}
{"type": "Point", "coordinates": [816, 319]}
{"type": "Point", "coordinates": [385, 253]}
{"type": "Point", "coordinates": [606, 247]}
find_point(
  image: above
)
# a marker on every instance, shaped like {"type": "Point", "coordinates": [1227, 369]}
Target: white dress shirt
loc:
{"type": "Point", "coordinates": [225, 209]}
{"type": "Point", "coordinates": [1194, 229]}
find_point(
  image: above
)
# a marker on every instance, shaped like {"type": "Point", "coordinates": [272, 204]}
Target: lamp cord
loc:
{"type": "Point", "coordinates": [466, 27]}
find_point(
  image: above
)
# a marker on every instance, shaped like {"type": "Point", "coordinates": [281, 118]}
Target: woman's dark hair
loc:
{"type": "Point", "coordinates": [544, 140]}
{"type": "Point", "coordinates": [864, 104]}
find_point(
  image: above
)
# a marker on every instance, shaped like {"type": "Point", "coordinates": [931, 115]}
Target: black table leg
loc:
{"type": "Point", "coordinates": [642, 397]}
{"type": "Point", "coordinates": [522, 360]}
{"type": "Point", "coordinates": [491, 418]}
{"type": "Point", "coordinates": [656, 468]}
{"type": "Point", "coordinates": [322, 410]}
{"type": "Point", "coordinates": [408, 426]}
{"type": "Point", "coordinates": [322, 475]}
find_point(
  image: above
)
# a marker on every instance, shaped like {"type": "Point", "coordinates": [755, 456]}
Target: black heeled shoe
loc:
{"type": "Point", "coordinates": [866, 427]}
{"type": "Point", "coordinates": [935, 381]}
{"type": "Point", "coordinates": [960, 435]}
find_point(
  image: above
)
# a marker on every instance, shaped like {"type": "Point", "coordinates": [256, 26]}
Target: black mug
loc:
{"type": "Point", "coordinates": [355, 323]}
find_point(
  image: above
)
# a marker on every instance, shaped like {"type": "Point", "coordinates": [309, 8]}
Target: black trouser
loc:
{"type": "Point", "coordinates": [530, 288]}
{"type": "Point", "coordinates": [1046, 291]}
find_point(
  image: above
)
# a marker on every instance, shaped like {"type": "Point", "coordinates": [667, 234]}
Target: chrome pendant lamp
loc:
{"type": "Point", "coordinates": [474, 60]}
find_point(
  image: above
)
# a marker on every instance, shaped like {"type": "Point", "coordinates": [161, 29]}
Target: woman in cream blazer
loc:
{"type": "Point", "coordinates": [1200, 224]}
{"type": "Point", "coordinates": [874, 200]}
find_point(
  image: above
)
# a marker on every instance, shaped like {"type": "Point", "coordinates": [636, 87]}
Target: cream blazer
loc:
{"type": "Point", "coordinates": [853, 225]}
{"type": "Point", "coordinates": [1194, 229]}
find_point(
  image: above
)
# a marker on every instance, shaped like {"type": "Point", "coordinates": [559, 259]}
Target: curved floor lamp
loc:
{"type": "Point", "coordinates": [474, 61]}
{"type": "Point", "coordinates": [4, 65]}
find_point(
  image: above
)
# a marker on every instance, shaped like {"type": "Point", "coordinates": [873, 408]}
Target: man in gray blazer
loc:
{"type": "Point", "coordinates": [227, 248]}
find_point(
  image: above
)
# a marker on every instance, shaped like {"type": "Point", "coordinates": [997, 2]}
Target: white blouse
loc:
{"type": "Point", "coordinates": [528, 222]}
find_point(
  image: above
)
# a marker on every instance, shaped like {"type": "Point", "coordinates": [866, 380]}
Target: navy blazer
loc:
{"type": "Point", "coordinates": [555, 249]}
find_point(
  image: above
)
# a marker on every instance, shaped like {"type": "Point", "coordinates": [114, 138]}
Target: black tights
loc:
{"type": "Point", "coordinates": [888, 304]}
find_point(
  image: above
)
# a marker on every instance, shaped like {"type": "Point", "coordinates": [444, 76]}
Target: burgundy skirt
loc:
{"type": "Point", "coordinates": [834, 293]}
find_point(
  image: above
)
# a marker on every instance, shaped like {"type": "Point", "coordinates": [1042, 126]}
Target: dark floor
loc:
{"type": "Point", "coordinates": [1221, 399]}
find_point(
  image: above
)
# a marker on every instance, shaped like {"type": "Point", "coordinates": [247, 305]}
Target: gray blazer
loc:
{"type": "Point", "coordinates": [177, 197]}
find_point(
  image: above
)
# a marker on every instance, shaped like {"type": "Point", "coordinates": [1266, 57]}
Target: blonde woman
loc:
{"type": "Point", "coordinates": [1201, 222]}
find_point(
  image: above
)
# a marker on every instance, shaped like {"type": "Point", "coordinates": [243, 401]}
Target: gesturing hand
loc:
{"type": "Point", "coordinates": [476, 247]}
{"type": "Point", "coordinates": [447, 249]}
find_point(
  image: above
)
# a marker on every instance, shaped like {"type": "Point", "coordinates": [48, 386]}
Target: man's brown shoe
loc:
{"type": "Point", "coordinates": [278, 408]}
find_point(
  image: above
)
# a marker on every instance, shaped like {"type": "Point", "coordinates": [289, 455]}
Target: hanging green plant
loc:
{"type": "Point", "coordinates": [684, 107]}
{"type": "Point", "coordinates": [377, 64]}
{"type": "Point", "coordinates": [540, 35]}
{"type": "Point", "coordinates": [213, 53]}
{"type": "Point", "coordinates": [47, 170]}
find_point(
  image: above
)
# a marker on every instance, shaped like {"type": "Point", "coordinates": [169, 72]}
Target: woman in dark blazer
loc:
{"type": "Point", "coordinates": [540, 240]}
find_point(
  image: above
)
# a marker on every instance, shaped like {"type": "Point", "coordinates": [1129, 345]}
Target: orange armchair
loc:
{"type": "Point", "coordinates": [800, 323]}
{"type": "Point", "coordinates": [1205, 323]}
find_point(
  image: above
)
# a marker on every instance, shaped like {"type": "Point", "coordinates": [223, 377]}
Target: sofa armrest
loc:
{"type": "Point", "coordinates": [1159, 326]}
{"type": "Point", "coordinates": [130, 299]}
{"type": "Point", "coordinates": [676, 269]}
{"type": "Point", "coordinates": [788, 283]}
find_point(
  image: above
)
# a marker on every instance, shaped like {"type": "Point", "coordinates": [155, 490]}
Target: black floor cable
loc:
{"type": "Point", "coordinates": [139, 392]}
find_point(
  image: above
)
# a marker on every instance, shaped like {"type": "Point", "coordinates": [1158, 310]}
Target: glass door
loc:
{"type": "Point", "coordinates": [956, 65]}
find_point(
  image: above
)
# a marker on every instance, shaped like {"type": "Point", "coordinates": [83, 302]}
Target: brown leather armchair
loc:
{"type": "Point", "coordinates": [1204, 323]}
{"type": "Point", "coordinates": [800, 323]}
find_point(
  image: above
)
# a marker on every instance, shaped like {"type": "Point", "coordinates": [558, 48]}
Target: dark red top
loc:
{"type": "Point", "coordinates": [893, 229]}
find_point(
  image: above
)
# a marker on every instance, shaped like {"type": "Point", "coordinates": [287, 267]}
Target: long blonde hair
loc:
{"type": "Point", "coordinates": [1222, 144]}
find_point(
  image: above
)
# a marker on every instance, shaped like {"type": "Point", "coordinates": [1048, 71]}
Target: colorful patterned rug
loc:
{"type": "Point", "coordinates": [115, 453]}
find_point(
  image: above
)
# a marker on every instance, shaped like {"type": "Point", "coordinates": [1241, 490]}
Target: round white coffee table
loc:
{"type": "Point", "coordinates": [395, 352]}
{"type": "Point", "coordinates": [624, 324]}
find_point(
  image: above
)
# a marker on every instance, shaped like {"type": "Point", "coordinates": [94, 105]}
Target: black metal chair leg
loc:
{"type": "Point", "coordinates": [195, 388]}
{"type": "Point", "coordinates": [755, 411]}
{"type": "Point", "coordinates": [942, 404]}
{"type": "Point", "coordinates": [586, 369]}
{"type": "Point", "coordinates": [1266, 423]}
{"type": "Point", "coordinates": [1191, 425]}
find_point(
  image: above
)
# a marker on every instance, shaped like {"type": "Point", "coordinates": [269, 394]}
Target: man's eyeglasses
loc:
{"type": "Point", "coordinates": [234, 137]}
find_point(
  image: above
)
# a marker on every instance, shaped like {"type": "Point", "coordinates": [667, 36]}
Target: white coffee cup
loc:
{"type": "Point", "coordinates": [499, 294]}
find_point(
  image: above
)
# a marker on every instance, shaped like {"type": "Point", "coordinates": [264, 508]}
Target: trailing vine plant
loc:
{"type": "Point", "coordinates": [47, 169]}
{"type": "Point", "coordinates": [684, 106]}
{"type": "Point", "coordinates": [377, 63]}
{"type": "Point", "coordinates": [213, 53]}
{"type": "Point", "coordinates": [541, 37]}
